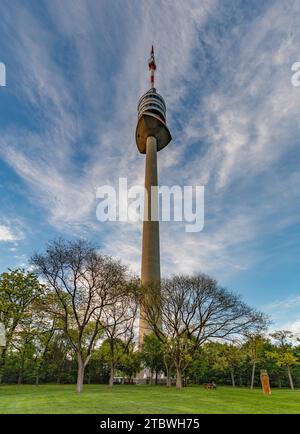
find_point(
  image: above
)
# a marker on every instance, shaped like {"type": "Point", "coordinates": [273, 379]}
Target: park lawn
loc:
{"type": "Point", "coordinates": [122, 399]}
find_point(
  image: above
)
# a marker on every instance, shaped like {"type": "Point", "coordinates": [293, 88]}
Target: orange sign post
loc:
{"type": "Point", "coordinates": [264, 378]}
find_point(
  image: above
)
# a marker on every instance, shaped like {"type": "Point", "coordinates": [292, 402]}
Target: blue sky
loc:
{"type": "Point", "coordinates": [75, 71]}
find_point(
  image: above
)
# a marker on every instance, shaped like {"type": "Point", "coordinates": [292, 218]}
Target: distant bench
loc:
{"type": "Point", "coordinates": [209, 386]}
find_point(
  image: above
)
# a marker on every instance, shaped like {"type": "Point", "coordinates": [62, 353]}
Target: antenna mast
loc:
{"type": "Point", "coordinates": [152, 67]}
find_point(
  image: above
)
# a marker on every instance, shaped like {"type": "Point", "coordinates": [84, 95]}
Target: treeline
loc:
{"type": "Point", "coordinates": [73, 318]}
{"type": "Point", "coordinates": [224, 364]}
{"type": "Point", "coordinates": [239, 363]}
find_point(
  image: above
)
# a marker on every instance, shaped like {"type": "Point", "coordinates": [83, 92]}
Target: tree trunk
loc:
{"type": "Point", "coordinates": [168, 372]}
{"type": "Point", "coordinates": [178, 378]}
{"type": "Point", "coordinates": [60, 369]}
{"type": "Point", "coordinates": [253, 375]}
{"type": "Point", "coordinates": [20, 377]}
{"type": "Point", "coordinates": [279, 381]}
{"type": "Point", "coordinates": [80, 373]}
{"type": "Point", "coordinates": [232, 378]}
{"type": "Point", "coordinates": [290, 377]}
{"type": "Point", "coordinates": [156, 377]}
{"type": "Point", "coordinates": [111, 374]}
{"type": "Point", "coordinates": [241, 380]}
{"type": "Point", "coordinates": [111, 364]}
{"type": "Point", "coordinates": [2, 364]}
{"type": "Point", "coordinates": [37, 378]}
{"type": "Point", "coordinates": [21, 370]}
{"type": "Point", "coordinates": [169, 381]}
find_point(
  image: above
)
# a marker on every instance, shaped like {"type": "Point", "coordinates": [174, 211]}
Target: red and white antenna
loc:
{"type": "Point", "coordinates": [152, 67]}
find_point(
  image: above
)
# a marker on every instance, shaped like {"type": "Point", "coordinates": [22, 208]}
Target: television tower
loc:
{"type": "Point", "coordinates": [152, 135]}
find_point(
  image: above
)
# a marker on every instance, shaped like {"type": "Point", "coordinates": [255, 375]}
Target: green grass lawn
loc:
{"type": "Point", "coordinates": [144, 399]}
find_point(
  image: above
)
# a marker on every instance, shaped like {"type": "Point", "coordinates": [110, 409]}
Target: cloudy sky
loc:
{"type": "Point", "coordinates": [75, 70]}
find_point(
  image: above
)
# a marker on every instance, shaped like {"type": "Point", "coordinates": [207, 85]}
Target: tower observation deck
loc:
{"type": "Point", "coordinates": [152, 121]}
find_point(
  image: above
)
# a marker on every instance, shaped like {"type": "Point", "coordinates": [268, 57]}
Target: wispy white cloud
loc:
{"type": "Point", "coordinates": [284, 305]}
{"type": "Point", "coordinates": [250, 119]}
{"type": "Point", "coordinates": [293, 326]}
{"type": "Point", "coordinates": [285, 313]}
{"type": "Point", "coordinates": [10, 234]}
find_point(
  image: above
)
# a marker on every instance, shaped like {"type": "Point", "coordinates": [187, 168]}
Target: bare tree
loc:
{"type": "Point", "coordinates": [84, 283]}
{"type": "Point", "coordinates": [187, 311]}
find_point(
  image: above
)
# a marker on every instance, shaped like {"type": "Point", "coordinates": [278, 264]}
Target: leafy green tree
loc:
{"type": "Point", "coordinates": [152, 355]}
{"type": "Point", "coordinates": [182, 348]}
{"type": "Point", "coordinates": [131, 362]}
{"type": "Point", "coordinates": [24, 347]}
{"type": "Point", "coordinates": [283, 354]}
{"type": "Point", "coordinates": [168, 359]}
{"type": "Point", "coordinates": [58, 358]}
{"type": "Point", "coordinates": [19, 289]}
{"type": "Point", "coordinates": [255, 349]}
{"type": "Point", "coordinates": [226, 358]}
{"type": "Point", "coordinates": [112, 353]}
{"type": "Point", "coordinates": [199, 367]}
{"type": "Point", "coordinates": [42, 340]}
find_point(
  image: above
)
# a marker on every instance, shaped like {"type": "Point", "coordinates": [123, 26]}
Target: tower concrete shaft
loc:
{"type": "Point", "coordinates": [150, 248]}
